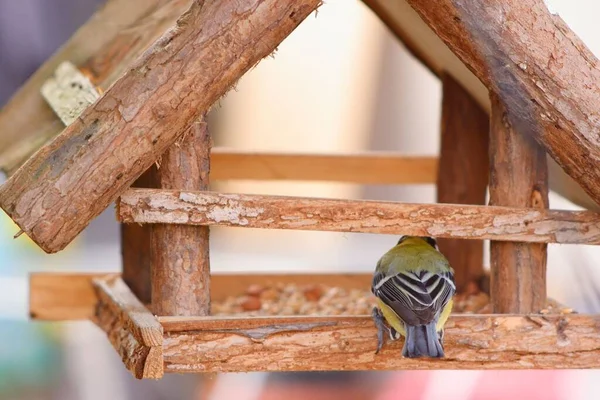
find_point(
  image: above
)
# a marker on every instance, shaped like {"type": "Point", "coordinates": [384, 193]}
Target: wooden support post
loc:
{"type": "Point", "coordinates": [136, 245]}
{"type": "Point", "coordinates": [180, 260]}
{"type": "Point", "coordinates": [518, 178]}
{"type": "Point", "coordinates": [462, 172]}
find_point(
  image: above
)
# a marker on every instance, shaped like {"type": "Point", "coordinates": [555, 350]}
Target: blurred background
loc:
{"type": "Point", "coordinates": [339, 83]}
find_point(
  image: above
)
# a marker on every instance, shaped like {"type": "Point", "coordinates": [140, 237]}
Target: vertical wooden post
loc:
{"type": "Point", "coordinates": [462, 172]}
{"type": "Point", "coordinates": [518, 178]}
{"type": "Point", "coordinates": [135, 248]}
{"type": "Point", "coordinates": [180, 259]}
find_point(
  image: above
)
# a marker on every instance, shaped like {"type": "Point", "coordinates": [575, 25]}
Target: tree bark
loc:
{"type": "Point", "coordinates": [55, 195]}
{"type": "Point", "coordinates": [518, 178]}
{"type": "Point", "coordinates": [544, 74]}
{"type": "Point", "coordinates": [147, 206]}
{"type": "Point", "coordinates": [180, 253]}
{"type": "Point", "coordinates": [103, 47]}
{"type": "Point", "coordinates": [462, 173]}
{"type": "Point", "coordinates": [132, 330]}
{"type": "Point", "coordinates": [324, 343]}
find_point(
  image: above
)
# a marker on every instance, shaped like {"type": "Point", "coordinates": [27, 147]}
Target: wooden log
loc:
{"type": "Point", "coordinates": [367, 168]}
{"type": "Point", "coordinates": [68, 296]}
{"type": "Point", "coordinates": [115, 35]}
{"type": "Point", "coordinates": [180, 253]}
{"type": "Point", "coordinates": [348, 343]}
{"type": "Point", "coordinates": [147, 206]}
{"type": "Point", "coordinates": [71, 180]}
{"type": "Point", "coordinates": [518, 178]}
{"type": "Point", "coordinates": [462, 173]}
{"type": "Point", "coordinates": [136, 245]}
{"type": "Point", "coordinates": [544, 74]}
{"type": "Point", "coordinates": [132, 330]}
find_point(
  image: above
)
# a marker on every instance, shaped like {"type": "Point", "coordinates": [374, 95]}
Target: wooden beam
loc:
{"type": "Point", "coordinates": [367, 168]}
{"type": "Point", "coordinates": [55, 195]}
{"type": "Point", "coordinates": [147, 206]}
{"type": "Point", "coordinates": [70, 296]}
{"type": "Point", "coordinates": [348, 343]}
{"type": "Point", "coordinates": [544, 74]}
{"type": "Point", "coordinates": [114, 36]}
{"type": "Point", "coordinates": [61, 296]}
{"type": "Point", "coordinates": [136, 245]}
{"type": "Point", "coordinates": [518, 178]}
{"type": "Point", "coordinates": [132, 330]}
{"type": "Point", "coordinates": [462, 173]}
{"type": "Point", "coordinates": [180, 253]}
{"type": "Point", "coordinates": [404, 22]}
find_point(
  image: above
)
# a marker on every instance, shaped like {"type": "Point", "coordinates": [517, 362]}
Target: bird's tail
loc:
{"type": "Point", "coordinates": [422, 341]}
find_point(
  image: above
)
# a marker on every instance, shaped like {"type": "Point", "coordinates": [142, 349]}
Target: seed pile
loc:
{"type": "Point", "coordinates": [293, 299]}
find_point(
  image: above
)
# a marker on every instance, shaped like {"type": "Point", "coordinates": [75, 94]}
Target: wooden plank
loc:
{"type": "Point", "coordinates": [67, 183]}
{"type": "Point", "coordinates": [283, 212]}
{"type": "Point", "coordinates": [62, 296]}
{"type": "Point", "coordinates": [520, 51]}
{"type": "Point", "coordinates": [518, 178]}
{"type": "Point", "coordinates": [132, 330]}
{"type": "Point", "coordinates": [180, 253]}
{"type": "Point", "coordinates": [462, 173]}
{"type": "Point", "coordinates": [195, 345]}
{"type": "Point", "coordinates": [71, 296]}
{"type": "Point", "coordinates": [367, 168]}
{"type": "Point", "coordinates": [115, 35]}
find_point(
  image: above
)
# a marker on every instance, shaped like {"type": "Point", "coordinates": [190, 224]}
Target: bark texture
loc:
{"type": "Point", "coordinates": [462, 172]}
{"type": "Point", "coordinates": [518, 178]}
{"type": "Point", "coordinates": [147, 206]}
{"type": "Point", "coordinates": [180, 253]}
{"type": "Point", "coordinates": [70, 181]}
{"type": "Point", "coordinates": [103, 47]}
{"type": "Point", "coordinates": [325, 343]}
{"type": "Point", "coordinates": [132, 330]}
{"type": "Point", "coordinates": [542, 72]}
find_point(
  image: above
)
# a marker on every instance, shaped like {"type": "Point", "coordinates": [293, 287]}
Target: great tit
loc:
{"type": "Point", "coordinates": [414, 286]}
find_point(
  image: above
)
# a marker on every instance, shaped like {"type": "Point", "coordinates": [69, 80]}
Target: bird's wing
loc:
{"type": "Point", "coordinates": [417, 297]}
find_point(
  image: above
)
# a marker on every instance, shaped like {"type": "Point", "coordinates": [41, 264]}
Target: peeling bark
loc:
{"type": "Point", "coordinates": [147, 206]}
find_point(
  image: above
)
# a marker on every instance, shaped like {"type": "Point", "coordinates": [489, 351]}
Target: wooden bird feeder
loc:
{"type": "Point", "coordinates": [517, 83]}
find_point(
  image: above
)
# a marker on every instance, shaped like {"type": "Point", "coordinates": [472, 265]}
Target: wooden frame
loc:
{"type": "Point", "coordinates": [132, 330]}
{"type": "Point", "coordinates": [234, 344]}
{"type": "Point", "coordinates": [54, 195]}
{"type": "Point", "coordinates": [57, 296]}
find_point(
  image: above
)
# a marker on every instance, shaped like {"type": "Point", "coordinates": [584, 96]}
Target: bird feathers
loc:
{"type": "Point", "coordinates": [414, 285]}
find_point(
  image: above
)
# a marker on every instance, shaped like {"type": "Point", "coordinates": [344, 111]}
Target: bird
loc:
{"type": "Point", "coordinates": [414, 286]}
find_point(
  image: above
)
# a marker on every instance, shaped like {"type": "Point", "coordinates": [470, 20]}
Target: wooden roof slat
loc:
{"type": "Point", "coordinates": [67, 183]}
{"type": "Point", "coordinates": [104, 47]}
{"type": "Point", "coordinates": [541, 69]}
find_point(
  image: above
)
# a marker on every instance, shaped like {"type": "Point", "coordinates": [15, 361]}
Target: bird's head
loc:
{"type": "Point", "coordinates": [406, 239]}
